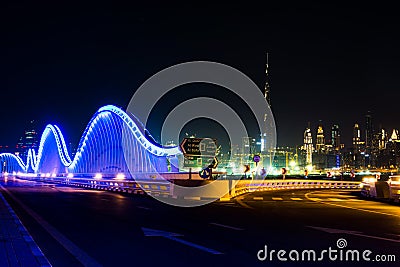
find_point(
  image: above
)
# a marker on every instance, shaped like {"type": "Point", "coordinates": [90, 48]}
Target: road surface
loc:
{"type": "Point", "coordinates": [77, 227]}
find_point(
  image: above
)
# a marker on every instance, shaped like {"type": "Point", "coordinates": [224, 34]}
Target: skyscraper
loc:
{"type": "Point", "coordinates": [320, 145]}
{"type": "Point", "coordinates": [369, 141]}
{"type": "Point", "coordinates": [28, 140]}
{"type": "Point", "coordinates": [369, 131]}
{"type": "Point", "coordinates": [267, 91]}
{"type": "Point", "coordinates": [383, 139]}
{"type": "Point", "coordinates": [308, 146]}
{"type": "Point", "coordinates": [356, 138]}
{"type": "Point", "coordinates": [358, 148]}
{"type": "Point", "coordinates": [267, 96]}
{"type": "Point", "coordinates": [335, 137]}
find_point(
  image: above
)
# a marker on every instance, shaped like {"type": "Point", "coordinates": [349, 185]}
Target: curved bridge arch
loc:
{"type": "Point", "coordinates": [100, 149]}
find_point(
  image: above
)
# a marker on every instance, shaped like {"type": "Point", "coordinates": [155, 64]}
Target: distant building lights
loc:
{"type": "Point", "coordinates": [98, 176]}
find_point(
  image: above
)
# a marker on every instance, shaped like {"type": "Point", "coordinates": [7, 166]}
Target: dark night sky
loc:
{"type": "Point", "coordinates": [60, 63]}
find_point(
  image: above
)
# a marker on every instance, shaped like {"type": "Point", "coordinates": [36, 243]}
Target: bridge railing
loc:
{"type": "Point", "coordinates": [248, 186]}
{"type": "Point", "coordinates": [126, 186]}
{"type": "Point", "coordinates": [233, 188]}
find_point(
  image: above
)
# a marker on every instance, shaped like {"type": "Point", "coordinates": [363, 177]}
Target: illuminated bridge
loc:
{"type": "Point", "coordinates": [113, 143]}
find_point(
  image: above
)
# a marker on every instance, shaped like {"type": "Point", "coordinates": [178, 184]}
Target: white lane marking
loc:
{"type": "Point", "coordinates": [277, 198]}
{"type": "Point", "coordinates": [296, 198]}
{"type": "Point", "coordinates": [227, 226]}
{"type": "Point", "coordinates": [78, 253]}
{"type": "Point", "coordinates": [173, 236]}
{"type": "Point", "coordinates": [349, 232]}
{"type": "Point", "coordinates": [335, 199]}
{"type": "Point", "coordinates": [258, 198]}
{"type": "Point", "coordinates": [353, 208]}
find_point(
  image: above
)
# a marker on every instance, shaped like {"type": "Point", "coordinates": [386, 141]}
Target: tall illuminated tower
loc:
{"type": "Point", "coordinates": [28, 140]}
{"type": "Point", "coordinates": [320, 145]}
{"type": "Point", "coordinates": [267, 92]}
{"type": "Point", "coordinates": [369, 131]}
{"type": "Point", "coordinates": [383, 139]}
{"type": "Point", "coordinates": [308, 145]}
{"type": "Point", "coordinates": [268, 98]}
{"type": "Point", "coordinates": [357, 160]}
{"type": "Point", "coordinates": [335, 137]}
{"type": "Point", "coordinates": [356, 138]}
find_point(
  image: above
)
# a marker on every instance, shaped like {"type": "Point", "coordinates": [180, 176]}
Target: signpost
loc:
{"type": "Point", "coordinates": [284, 171]}
{"type": "Point", "coordinates": [256, 159]}
{"type": "Point", "coordinates": [205, 173]}
{"type": "Point", "coordinates": [214, 163]}
{"type": "Point", "coordinates": [263, 172]}
{"type": "Point", "coordinates": [199, 152]}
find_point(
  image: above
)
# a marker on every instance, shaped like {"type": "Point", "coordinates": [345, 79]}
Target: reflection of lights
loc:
{"type": "Point", "coordinates": [53, 175]}
{"type": "Point", "coordinates": [120, 176]}
{"type": "Point", "coordinates": [6, 174]}
{"type": "Point", "coordinates": [292, 163]}
{"type": "Point", "coordinates": [309, 167]}
{"type": "Point", "coordinates": [394, 180]}
{"type": "Point", "coordinates": [98, 176]}
{"type": "Point", "coordinates": [14, 173]}
{"type": "Point", "coordinates": [70, 175]}
{"type": "Point", "coordinates": [369, 180]}
{"type": "Point", "coordinates": [48, 174]}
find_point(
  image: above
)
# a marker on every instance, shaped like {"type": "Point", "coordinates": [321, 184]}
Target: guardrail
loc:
{"type": "Point", "coordinates": [233, 188]}
{"type": "Point", "coordinates": [244, 186]}
{"type": "Point", "coordinates": [126, 186]}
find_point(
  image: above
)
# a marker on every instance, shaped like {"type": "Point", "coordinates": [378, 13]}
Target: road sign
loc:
{"type": "Point", "coordinates": [263, 171]}
{"type": "Point", "coordinates": [198, 152]}
{"type": "Point", "coordinates": [256, 158]}
{"type": "Point", "coordinates": [204, 147]}
{"type": "Point", "coordinates": [214, 163]}
{"type": "Point", "coordinates": [205, 173]}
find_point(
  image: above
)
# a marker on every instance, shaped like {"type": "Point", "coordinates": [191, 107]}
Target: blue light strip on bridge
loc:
{"type": "Point", "coordinates": [34, 160]}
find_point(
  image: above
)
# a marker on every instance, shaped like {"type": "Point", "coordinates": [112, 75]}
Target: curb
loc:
{"type": "Point", "coordinates": [40, 257]}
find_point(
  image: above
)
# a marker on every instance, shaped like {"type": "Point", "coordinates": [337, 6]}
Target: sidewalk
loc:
{"type": "Point", "coordinates": [17, 248]}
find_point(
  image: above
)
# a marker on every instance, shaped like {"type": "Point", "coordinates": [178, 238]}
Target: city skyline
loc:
{"type": "Point", "coordinates": [57, 68]}
{"type": "Point", "coordinates": [216, 134]}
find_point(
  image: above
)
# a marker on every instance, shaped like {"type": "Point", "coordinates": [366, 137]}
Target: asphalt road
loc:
{"type": "Point", "coordinates": [75, 227]}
